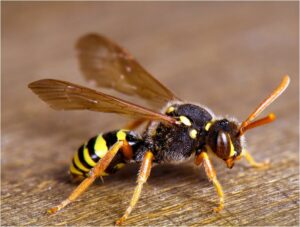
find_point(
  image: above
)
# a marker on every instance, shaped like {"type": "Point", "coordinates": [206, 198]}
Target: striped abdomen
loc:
{"type": "Point", "coordinates": [87, 156]}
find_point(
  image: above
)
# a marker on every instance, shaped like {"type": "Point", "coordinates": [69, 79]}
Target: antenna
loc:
{"type": "Point", "coordinates": [247, 124]}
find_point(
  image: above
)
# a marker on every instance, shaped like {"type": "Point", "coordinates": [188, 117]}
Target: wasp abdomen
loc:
{"type": "Point", "coordinates": [88, 154]}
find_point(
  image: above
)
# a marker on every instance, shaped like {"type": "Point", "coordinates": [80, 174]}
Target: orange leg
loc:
{"type": "Point", "coordinates": [252, 162]}
{"type": "Point", "coordinates": [142, 178]}
{"type": "Point", "coordinates": [211, 174]}
{"type": "Point", "coordinates": [93, 174]}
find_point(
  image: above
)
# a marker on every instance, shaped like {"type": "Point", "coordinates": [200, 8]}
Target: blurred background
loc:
{"type": "Point", "coordinates": [225, 55]}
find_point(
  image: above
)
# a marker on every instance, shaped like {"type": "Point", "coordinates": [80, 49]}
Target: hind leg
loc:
{"type": "Point", "coordinates": [93, 174]}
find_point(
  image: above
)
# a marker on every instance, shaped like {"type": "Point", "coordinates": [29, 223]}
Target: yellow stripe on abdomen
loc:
{"type": "Point", "coordinates": [100, 147]}
{"type": "Point", "coordinates": [90, 153]}
{"type": "Point", "coordinates": [87, 157]}
{"type": "Point", "coordinates": [79, 164]}
{"type": "Point", "coordinates": [75, 171]}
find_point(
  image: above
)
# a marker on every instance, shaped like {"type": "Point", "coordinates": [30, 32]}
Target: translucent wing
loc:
{"type": "Point", "coordinates": [111, 66]}
{"type": "Point", "coordinates": [62, 95]}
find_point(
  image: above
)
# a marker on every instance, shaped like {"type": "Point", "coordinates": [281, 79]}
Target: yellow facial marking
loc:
{"type": "Point", "coordinates": [185, 120]}
{"type": "Point", "coordinates": [170, 109]}
{"type": "Point", "coordinates": [88, 158]}
{"type": "Point", "coordinates": [74, 170]}
{"type": "Point", "coordinates": [79, 164]}
{"type": "Point", "coordinates": [121, 135]}
{"type": "Point", "coordinates": [207, 126]}
{"type": "Point", "coordinates": [231, 149]}
{"type": "Point", "coordinates": [100, 147]}
{"type": "Point", "coordinates": [193, 133]}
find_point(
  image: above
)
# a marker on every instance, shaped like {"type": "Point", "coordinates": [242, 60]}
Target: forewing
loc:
{"type": "Point", "coordinates": [111, 66]}
{"type": "Point", "coordinates": [62, 95]}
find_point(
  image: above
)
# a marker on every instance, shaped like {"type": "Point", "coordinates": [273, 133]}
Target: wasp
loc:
{"type": "Point", "coordinates": [173, 134]}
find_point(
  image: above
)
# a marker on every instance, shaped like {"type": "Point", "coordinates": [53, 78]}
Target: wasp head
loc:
{"type": "Point", "coordinates": [225, 137]}
{"type": "Point", "coordinates": [224, 140]}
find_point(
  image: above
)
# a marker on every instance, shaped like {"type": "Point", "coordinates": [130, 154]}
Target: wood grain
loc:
{"type": "Point", "coordinates": [226, 55]}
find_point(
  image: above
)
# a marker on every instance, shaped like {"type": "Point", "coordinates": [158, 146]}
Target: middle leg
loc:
{"type": "Point", "coordinates": [142, 178]}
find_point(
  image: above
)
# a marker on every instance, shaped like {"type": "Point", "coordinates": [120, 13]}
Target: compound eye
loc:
{"type": "Point", "coordinates": [223, 145]}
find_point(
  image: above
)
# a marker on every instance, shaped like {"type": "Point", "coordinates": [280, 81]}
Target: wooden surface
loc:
{"type": "Point", "coordinates": [227, 56]}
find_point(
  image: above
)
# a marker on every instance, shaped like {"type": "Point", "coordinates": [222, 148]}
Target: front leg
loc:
{"type": "Point", "coordinates": [211, 174]}
{"type": "Point", "coordinates": [252, 162]}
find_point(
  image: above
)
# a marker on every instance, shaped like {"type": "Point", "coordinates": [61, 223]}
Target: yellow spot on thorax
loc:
{"type": "Point", "coordinates": [121, 135]}
{"type": "Point", "coordinates": [170, 109]}
{"type": "Point", "coordinates": [193, 133]}
{"type": "Point", "coordinates": [207, 126]}
{"type": "Point", "coordinates": [185, 120]}
{"type": "Point", "coordinates": [100, 147]}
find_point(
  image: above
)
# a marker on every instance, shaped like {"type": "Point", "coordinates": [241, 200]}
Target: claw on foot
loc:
{"type": "Point", "coordinates": [120, 221]}
{"type": "Point", "coordinates": [265, 164]}
{"type": "Point", "coordinates": [219, 208]}
{"type": "Point", "coordinates": [253, 163]}
{"type": "Point", "coordinates": [52, 210]}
